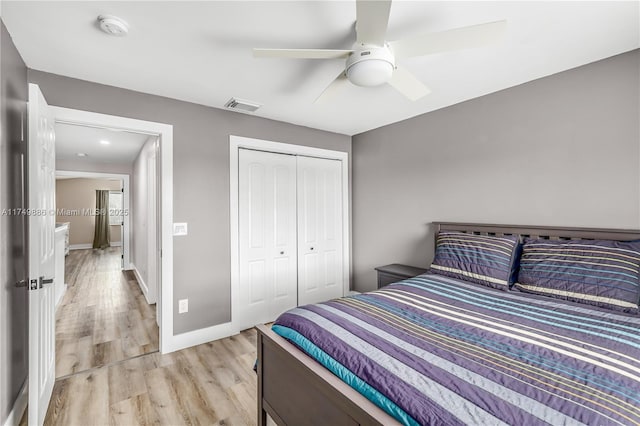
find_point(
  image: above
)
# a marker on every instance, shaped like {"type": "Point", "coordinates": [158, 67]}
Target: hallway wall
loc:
{"type": "Point", "coordinates": [78, 194]}
{"type": "Point", "coordinates": [14, 302]}
{"type": "Point", "coordinates": [140, 225]}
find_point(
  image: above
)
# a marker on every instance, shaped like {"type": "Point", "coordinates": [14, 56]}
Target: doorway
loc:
{"type": "Point", "coordinates": [105, 315]}
{"type": "Point", "coordinates": [160, 140]}
{"type": "Point", "coordinates": [45, 239]}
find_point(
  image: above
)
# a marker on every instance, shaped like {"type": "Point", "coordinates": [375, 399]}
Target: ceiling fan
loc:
{"type": "Point", "coordinates": [373, 61]}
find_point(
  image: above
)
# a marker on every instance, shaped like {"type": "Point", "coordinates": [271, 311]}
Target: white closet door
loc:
{"type": "Point", "coordinates": [267, 220]}
{"type": "Point", "coordinates": [320, 233]}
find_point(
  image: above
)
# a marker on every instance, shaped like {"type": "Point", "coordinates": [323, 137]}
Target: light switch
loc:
{"type": "Point", "coordinates": [179, 229]}
{"type": "Point", "coordinates": [183, 306]}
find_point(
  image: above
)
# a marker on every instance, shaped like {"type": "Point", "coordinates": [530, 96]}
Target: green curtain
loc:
{"type": "Point", "coordinates": [101, 234]}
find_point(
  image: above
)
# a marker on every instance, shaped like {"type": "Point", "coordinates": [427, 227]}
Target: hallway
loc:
{"type": "Point", "coordinates": [103, 317]}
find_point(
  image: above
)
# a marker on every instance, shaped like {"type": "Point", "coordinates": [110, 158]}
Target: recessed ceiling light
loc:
{"type": "Point", "coordinates": [113, 25]}
{"type": "Point", "coordinates": [82, 154]}
{"type": "Point", "coordinates": [103, 142]}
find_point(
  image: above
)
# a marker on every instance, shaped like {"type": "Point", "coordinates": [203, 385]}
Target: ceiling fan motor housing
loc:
{"type": "Point", "coordinates": [370, 66]}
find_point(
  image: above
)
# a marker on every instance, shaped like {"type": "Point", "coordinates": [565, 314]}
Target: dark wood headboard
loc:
{"type": "Point", "coordinates": [547, 232]}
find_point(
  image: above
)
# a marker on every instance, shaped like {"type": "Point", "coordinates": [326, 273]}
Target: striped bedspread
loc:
{"type": "Point", "coordinates": [435, 350]}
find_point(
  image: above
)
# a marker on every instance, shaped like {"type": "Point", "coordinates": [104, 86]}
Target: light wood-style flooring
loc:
{"type": "Point", "coordinates": [209, 384]}
{"type": "Point", "coordinates": [109, 370]}
{"type": "Point", "coordinates": [103, 317]}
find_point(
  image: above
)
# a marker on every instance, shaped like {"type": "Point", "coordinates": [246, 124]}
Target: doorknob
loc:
{"type": "Point", "coordinates": [311, 248]}
{"type": "Point", "coordinates": [45, 281]}
{"type": "Point", "coordinates": [281, 252]}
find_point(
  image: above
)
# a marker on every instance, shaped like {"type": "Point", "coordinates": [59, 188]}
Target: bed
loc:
{"type": "Point", "coordinates": [438, 350]}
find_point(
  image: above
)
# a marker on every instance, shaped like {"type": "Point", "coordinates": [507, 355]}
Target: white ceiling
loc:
{"type": "Point", "coordinates": [201, 51]}
{"type": "Point", "coordinates": [123, 147]}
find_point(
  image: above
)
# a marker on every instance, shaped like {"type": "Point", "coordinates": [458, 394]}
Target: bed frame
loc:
{"type": "Point", "coordinates": [294, 389]}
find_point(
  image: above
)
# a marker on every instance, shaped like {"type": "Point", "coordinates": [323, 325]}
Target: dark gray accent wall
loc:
{"type": "Point", "coordinates": [562, 150]}
{"type": "Point", "coordinates": [14, 302]}
{"type": "Point", "coordinates": [201, 180]}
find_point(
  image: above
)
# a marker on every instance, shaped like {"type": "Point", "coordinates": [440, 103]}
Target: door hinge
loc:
{"type": "Point", "coordinates": [122, 189]}
{"type": "Point", "coordinates": [122, 256]}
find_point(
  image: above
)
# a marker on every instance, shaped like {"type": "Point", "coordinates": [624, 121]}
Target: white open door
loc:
{"type": "Point", "coordinates": [41, 255]}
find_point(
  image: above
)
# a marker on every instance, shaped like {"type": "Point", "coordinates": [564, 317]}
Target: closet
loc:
{"type": "Point", "coordinates": [290, 233]}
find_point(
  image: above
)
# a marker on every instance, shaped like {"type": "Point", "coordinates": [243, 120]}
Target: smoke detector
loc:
{"type": "Point", "coordinates": [113, 25]}
{"type": "Point", "coordinates": [240, 105]}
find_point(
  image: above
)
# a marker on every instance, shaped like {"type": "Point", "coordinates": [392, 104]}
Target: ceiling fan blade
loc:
{"type": "Point", "coordinates": [407, 84]}
{"type": "Point", "coordinates": [372, 17]}
{"type": "Point", "coordinates": [333, 88]}
{"type": "Point", "coordinates": [457, 38]}
{"type": "Point", "coordinates": [301, 53]}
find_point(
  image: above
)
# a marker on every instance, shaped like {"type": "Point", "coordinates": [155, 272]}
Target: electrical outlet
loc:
{"type": "Point", "coordinates": [183, 306]}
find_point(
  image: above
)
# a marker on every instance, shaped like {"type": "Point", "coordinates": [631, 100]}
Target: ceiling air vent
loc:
{"type": "Point", "coordinates": [240, 105]}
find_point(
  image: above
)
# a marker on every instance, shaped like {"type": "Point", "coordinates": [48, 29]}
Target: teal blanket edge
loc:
{"type": "Point", "coordinates": [345, 375]}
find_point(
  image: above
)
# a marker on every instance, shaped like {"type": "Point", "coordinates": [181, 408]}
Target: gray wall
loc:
{"type": "Point", "coordinates": [140, 211]}
{"type": "Point", "coordinates": [563, 150]}
{"type": "Point", "coordinates": [201, 180]}
{"type": "Point", "coordinates": [14, 302]}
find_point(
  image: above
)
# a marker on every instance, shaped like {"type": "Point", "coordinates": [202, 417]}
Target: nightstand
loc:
{"type": "Point", "coordinates": [395, 272]}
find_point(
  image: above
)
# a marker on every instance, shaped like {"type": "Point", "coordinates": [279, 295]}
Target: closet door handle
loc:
{"type": "Point", "coordinates": [311, 249]}
{"type": "Point", "coordinates": [281, 252]}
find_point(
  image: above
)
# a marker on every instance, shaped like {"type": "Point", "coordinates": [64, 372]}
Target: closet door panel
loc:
{"type": "Point", "coordinates": [255, 251]}
{"type": "Point", "coordinates": [267, 236]}
{"type": "Point", "coordinates": [257, 186]}
{"type": "Point", "coordinates": [308, 203]}
{"type": "Point", "coordinates": [320, 275]}
{"type": "Point", "coordinates": [309, 279]}
{"type": "Point", "coordinates": [285, 264]}
{"type": "Point", "coordinates": [257, 277]}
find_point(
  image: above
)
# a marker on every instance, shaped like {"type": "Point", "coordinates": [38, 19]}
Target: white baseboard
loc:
{"type": "Point", "coordinates": [89, 245]}
{"type": "Point", "coordinates": [204, 335]}
{"type": "Point", "coordinates": [16, 413]}
{"type": "Point", "coordinates": [80, 246]}
{"type": "Point", "coordinates": [141, 283]}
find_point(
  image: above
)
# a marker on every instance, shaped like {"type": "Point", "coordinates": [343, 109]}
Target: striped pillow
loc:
{"type": "Point", "coordinates": [481, 259]}
{"type": "Point", "coordinates": [596, 272]}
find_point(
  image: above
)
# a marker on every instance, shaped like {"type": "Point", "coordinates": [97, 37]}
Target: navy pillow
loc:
{"type": "Point", "coordinates": [482, 259]}
{"type": "Point", "coordinates": [597, 272]}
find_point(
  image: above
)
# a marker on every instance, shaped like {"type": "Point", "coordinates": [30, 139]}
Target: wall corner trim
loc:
{"type": "Point", "coordinates": [19, 406]}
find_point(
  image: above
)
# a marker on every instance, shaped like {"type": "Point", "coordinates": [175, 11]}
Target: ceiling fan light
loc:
{"type": "Point", "coordinates": [369, 73]}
